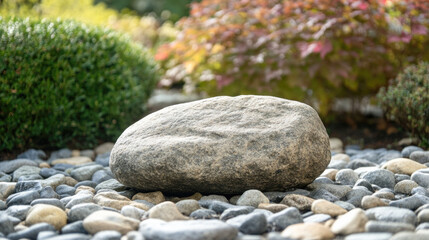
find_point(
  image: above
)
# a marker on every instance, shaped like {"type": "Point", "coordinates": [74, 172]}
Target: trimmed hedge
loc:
{"type": "Point", "coordinates": [64, 83]}
{"type": "Point", "coordinates": [406, 100]}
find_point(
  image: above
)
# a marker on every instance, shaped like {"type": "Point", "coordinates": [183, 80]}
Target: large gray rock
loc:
{"type": "Point", "coordinates": [223, 145]}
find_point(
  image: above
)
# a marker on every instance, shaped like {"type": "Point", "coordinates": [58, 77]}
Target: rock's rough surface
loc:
{"type": "Point", "coordinates": [223, 145]}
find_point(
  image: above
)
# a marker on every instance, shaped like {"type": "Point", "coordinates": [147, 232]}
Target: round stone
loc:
{"type": "Point", "coordinates": [405, 186]}
{"type": "Point", "coordinates": [166, 211]}
{"type": "Point", "coordinates": [43, 213]}
{"type": "Point", "coordinates": [223, 145]}
{"type": "Point", "coordinates": [326, 207]}
{"type": "Point", "coordinates": [351, 222]}
{"type": "Point", "coordinates": [371, 202]}
{"type": "Point", "coordinates": [380, 177]}
{"type": "Point", "coordinates": [252, 198]}
{"type": "Point", "coordinates": [346, 177]}
{"type": "Point", "coordinates": [420, 156]}
{"type": "Point", "coordinates": [403, 166]}
{"type": "Point", "coordinates": [108, 220]}
{"type": "Point", "coordinates": [187, 206]}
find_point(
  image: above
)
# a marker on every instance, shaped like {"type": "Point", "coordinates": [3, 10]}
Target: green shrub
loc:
{"type": "Point", "coordinates": [406, 100]}
{"type": "Point", "coordinates": [66, 83]}
{"type": "Point", "coordinates": [309, 50]}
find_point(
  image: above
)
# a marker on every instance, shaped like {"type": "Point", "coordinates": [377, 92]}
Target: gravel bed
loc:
{"type": "Point", "coordinates": [363, 194]}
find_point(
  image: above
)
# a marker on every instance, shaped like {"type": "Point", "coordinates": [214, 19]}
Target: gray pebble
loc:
{"type": "Point", "coordinates": [253, 223]}
{"type": "Point", "coordinates": [284, 218]}
{"type": "Point", "coordinates": [31, 232]}
{"type": "Point", "coordinates": [49, 201]}
{"type": "Point", "coordinates": [43, 235]}
{"type": "Point", "coordinates": [49, 172]}
{"type": "Point", "coordinates": [392, 227]}
{"type": "Point", "coordinates": [388, 155]}
{"type": "Point", "coordinates": [62, 153]}
{"type": "Point", "coordinates": [423, 226]}
{"type": "Point", "coordinates": [48, 192]}
{"type": "Point", "coordinates": [134, 235]}
{"type": "Point", "coordinates": [28, 185]}
{"type": "Point", "coordinates": [338, 191]}
{"type": "Point", "coordinates": [391, 214]}
{"type": "Point", "coordinates": [6, 224]}
{"type": "Point", "coordinates": [323, 194]}
{"type": "Point", "coordinates": [101, 176]}
{"type": "Point", "coordinates": [3, 205]}
{"type": "Point", "coordinates": [214, 197]}
{"type": "Point", "coordinates": [81, 211]}
{"type": "Point", "coordinates": [18, 211]}
{"type": "Point", "coordinates": [401, 177]}
{"type": "Point", "coordinates": [74, 227]}
{"type": "Point", "coordinates": [410, 236]}
{"type": "Point", "coordinates": [275, 197]}
{"type": "Point", "coordinates": [318, 218]}
{"type": "Point", "coordinates": [65, 189]}
{"type": "Point", "coordinates": [132, 212]}
{"type": "Point", "coordinates": [33, 154]}
{"type": "Point", "coordinates": [86, 183]}
{"type": "Point", "coordinates": [4, 177]}
{"type": "Point", "coordinates": [355, 196]}
{"type": "Point", "coordinates": [420, 156]}
{"type": "Point", "coordinates": [323, 180]}
{"type": "Point", "coordinates": [85, 172]}
{"type": "Point", "coordinates": [406, 152]}
{"type": "Point", "coordinates": [63, 166]}
{"type": "Point", "coordinates": [364, 183]}
{"type": "Point", "coordinates": [22, 198]}
{"type": "Point", "coordinates": [29, 177]}
{"type": "Point", "coordinates": [103, 159]}
{"type": "Point", "coordinates": [345, 205]}
{"type": "Point", "coordinates": [12, 165]}
{"type": "Point", "coordinates": [235, 211]}
{"type": "Point", "coordinates": [421, 177]}
{"type": "Point", "coordinates": [203, 214]}
{"type": "Point", "coordinates": [112, 184]}
{"type": "Point", "coordinates": [346, 177]}
{"type": "Point", "coordinates": [357, 163]}
{"type": "Point", "coordinates": [369, 236]}
{"type": "Point", "coordinates": [420, 190]}
{"type": "Point", "coordinates": [25, 170]}
{"type": "Point", "coordinates": [71, 236]}
{"type": "Point", "coordinates": [412, 202]}
{"type": "Point", "coordinates": [107, 235]}
{"type": "Point", "coordinates": [381, 177]}
{"type": "Point", "coordinates": [218, 206]}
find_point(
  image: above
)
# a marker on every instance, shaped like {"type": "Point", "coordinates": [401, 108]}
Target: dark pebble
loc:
{"type": "Point", "coordinates": [284, 218]}
{"type": "Point", "coordinates": [33, 154]}
{"type": "Point", "coordinates": [218, 206]}
{"type": "Point", "coordinates": [323, 194]}
{"type": "Point", "coordinates": [236, 211]}
{"type": "Point", "coordinates": [357, 163]}
{"type": "Point", "coordinates": [22, 198]}
{"type": "Point", "coordinates": [49, 172]}
{"type": "Point", "coordinates": [101, 176]}
{"type": "Point", "coordinates": [86, 183]}
{"type": "Point", "coordinates": [412, 202]}
{"type": "Point", "coordinates": [203, 214]}
{"type": "Point", "coordinates": [253, 223]}
{"type": "Point", "coordinates": [74, 227]}
{"type": "Point", "coordinates": [380, 177]}
{"type": "Point", "coordinates": [48, 192]}
{"type": "Point", "coordinates": [22, 186]}
{"type": "Point", "coordinates": [65, 189]}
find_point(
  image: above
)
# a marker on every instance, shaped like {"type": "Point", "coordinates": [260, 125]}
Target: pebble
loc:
{"type": "Point", "coordinates": [272, 207]}
{"type": "Point", "coordinates": [346, 177]}
{"type": "Point", "coordinates": [111, 184]}
{"type": "Point", "coordinates": [104, 148]}
{"type": "Point", "coordinates": [252, 198]}
{"type": "Point", "coordinates": [107, 235]}
{"type": "Point", "coordinates": [134, 235]}
{"type": "Point", "coordinates": [420, 156]}
{"type": "Point", "coordinates": [109, 220]}
{"type": "Point", "coordinates": [31, 232]}
{"type": "Point", "coordinates": [25, 171]}
{"type": "Point", "coordinates": [6, 189]}
{"type": "Point", "coordinates": [217, 206]}
{"type": "Point", "coordinates": [410, 235]}
{"type": "Point", "coordinates": [401, 177]}
{"type": "Point", "coordinates": [203, 214]}
{"type": "Point", "coordinates": [372, 202]}
{"type": "Point", "coordinates": [6, 224]}
{"type": "Point", "coordinates": [423, 216]}
{"type": "Point", "coordinates": [81, 211]}
{"type": "Point", "coordinates": [152, 197]}
{"type": "Point", "coordinates": [324, 194]}
{"type": "Point", "coordinates": [215, 197]}
{"type": "Point", "coordinates": [392, 227]}
{"type": "Point", "coordinates": [412, 202]}
{"type": "Point", "coordinates": [166, 211]}
{"type": "Point", "coordinates": [188, 230]}
{"type": "Point", "coordinates": [71, 236]}
{"type": "Point", "coordinates": [302, 203]}
{"type": "Point", "coordinates": [101, 176]}
{"type": "Point", "coordinates": [75, 161]}
{"type": "Point", "coordinates": [357, 163]}
{"type": "Point", "coordinates": [49, 201]}
{"type": "Point", "coordinates": [65, 190]}
{"type": "Point", "coordinates": [403, 166]}
{"type": "Point", "coordinates": [364, 183]}
{"type": "Point", "coordinates": [329, 173]}
{"type": "Point", "coordinates": [421, 177]}
{"type": "Point", "coordinates": [352, 222]}
{"type": "Point", "coordinates": [103, 159]}
{"type": "Point", "coordinates": [22, 198]}
{"type": "Point", "coordinates": [81, 197]}
{"type": "Point", "coordinates": [74, 227]}
{"type": "Point", "coordinates": [49, 172]}
{"type": "Point", "coordinates": [12, 165]}
{"type": "Point", "coordinates": [85, 172]}
{"type": "Point", "coordinates": [407, 151]}
{"type": "Point", "coordinates": [391, 214]}
{"type": "Point", "coordinates": [345, 205]}
{"type": "Point", "coordinates": [33, 154]}
{"type": "Point", "coordinates": [405, 187]}
{"type": "Point", "coordinates": [284, 218]}
{"type": "Point", "coordinates": [369, 236]}
{"type": "Point", "coordinates": [116, 201]}
{"type": "Point", "coordinates": [380, 177]}
{"type": "Point", "coordinates": [318, 218]}
{"type": "Point", "coordinates": [315, 231]}
{"type": "Point", "coordinates": [48, 214]}
{"type": "Point", "coordinates": [18, 211]}
{"type": "Point", "coordinates": [326, 207]}
{"type": "Point", "coordinates": [253, 223]}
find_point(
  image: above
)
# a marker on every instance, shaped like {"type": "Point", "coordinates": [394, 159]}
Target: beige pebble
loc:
{"type": "Point", "coordinates": [405, 186]}
{"type": "Point", "coordinates": [70, 181]}
{"type": "Point", "coordinates": [46, 213]}
{"type": "Point", "coordinates": [73, 160]}
{"type": "Point", "coordinates": [341, 157]}
{"type": "Point", "coordinates": [252, 198]}
{"type": "Point", "coordinates": [329, 173]}
{"type": "Point", "coordinates": [44, 165]}
{"type": "Point", "coordinates": [166, 211]}
{"type": "Point", "coordinates": [6, 189]}
{"type": "Point", "coordinates": [301, 202]}
{"type": "Point", "coordinates": [116, 201]}
{"type": "Point", "coordinates": [273, 207]}
{"type": "Point", "coordinates": [352, 222]}
{"type": "Point", "coordinates": [75, 153]}
{"type": "Point", "coordinates": [368, 202]}
{"type": "Point", "coordinates": [326, 207]}
{"type": "Point", "coordinates": [152, 197]}
{"type": "Point", "coordinates": [336, 145]}
{"type": "Point", "coordinates": [386, 195]}
{"type": "Point", "coordinates": [103, 148]}
{"type": "Point", "coordinates": [84, 188]}
{"type": "Point", "coordinates": [403, 166]}
{"type": "Point", "coordinates": [108, 220]}
{"type": "Point", "coordinates": [187, 206]}
{"type": "Point", "coordinates": [314, 231]}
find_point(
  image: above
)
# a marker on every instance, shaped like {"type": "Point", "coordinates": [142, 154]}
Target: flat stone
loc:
{"type": "Point", "coordinates": [318, 218]}
{"type": "Point", "coordinates": [252, 198]}
{"type": "Point", "coordinates": [391, 227]}
{"type": "Point", "coordinates": [351, 222]}
{"type": "Point", "coordinates": [252, 223]}
{"type": "Point", "coordinates": [403, 166]}
{"type": "Point", "coordinates": [302, 203]}
{"type": "Point", "coordinates": [48, 214]}
{"type": "Point", "coordinates": [239, 143]}
{"type": "Point", "coordinates": [189, 230]}
{"type": "Point", "coordinates": [380, 177]}
{"type": "Point", "coordinates": [81, 211]}
{"type": "Point", "coordinates": [166, 211]}
{"type": "Point", "coordinates": [325, 207]}
{"type": "Point", "coordinates": [72, 161]}
{"type": "Point", "coordinates": [22, 198]}
{"type": "Point", "coordinates": [391, 214]}
{"type": "Point", "coordinates": [235, 211]}
{"type": "Point", "coordinates": [12, 165]}
{"type": "Point", "coordinates": [315, 231]}
{"type": "Point", "coordinates": [108, 220]}
{"type": "Point", "coordinates": [153, 197]}
{"type": "Point", "coordinates": [283, 219]}
{"type": "Point", "coordinates": [116, 201]}
{"type": "Point", "coordinates": [272, 207]}
{"type": "Point", "coordinates": [186, 207]}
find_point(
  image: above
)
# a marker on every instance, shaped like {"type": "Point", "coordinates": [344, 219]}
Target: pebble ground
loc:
{"type": "Point", "coordinates": [363, 194]}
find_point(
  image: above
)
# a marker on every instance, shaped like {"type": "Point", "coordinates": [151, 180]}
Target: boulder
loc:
{"type": "Point", "coordinates": [223, 145]}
